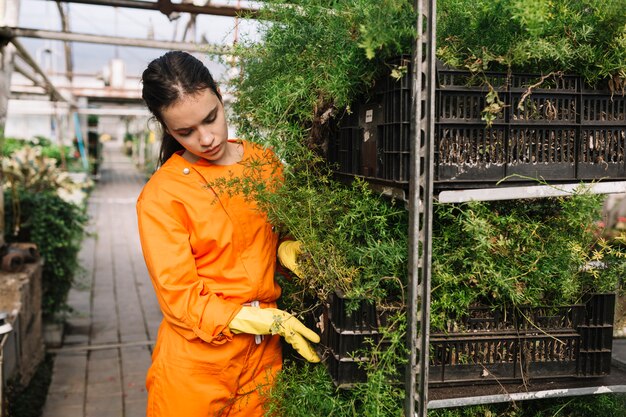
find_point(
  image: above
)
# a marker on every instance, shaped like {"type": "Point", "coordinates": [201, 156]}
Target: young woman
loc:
{"type": "Point", "coordinates": [211, 256]}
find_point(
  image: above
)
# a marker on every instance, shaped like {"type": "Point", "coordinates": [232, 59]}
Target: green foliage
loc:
{"type": "Point", "coordinates": [606, 405]}
{"type": "Point", "coordinates": [314, 58]}
{"type": "Point", "coordinates": [57, 228]}
{"type": "Point", "coordinates": [305, 390]}
{"type": "Point", "coordinates": [584, 37]}
{"type": "Point", "coordinates": [92, 120]}
{"type": "Point", "coordinates": [353, 240]}
{"type": "Point", "coordinates": [383, 394]}
{"type": "Point", "coordinates": [523, 252]}
{"type": "Point", "coordinates": [29, 401]}
{"type": "Point", "coordinates": [48, 149]}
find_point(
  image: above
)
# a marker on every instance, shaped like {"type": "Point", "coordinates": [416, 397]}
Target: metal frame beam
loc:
{"type": "Point", "coordinates": [67, 46]}
{"type": "Point", "coordinates": [524, 396]}
{"type": "Point", "coordinates": [531, 191]}
{"type": "Point", "coordinates": [54, 92]}
{"type": "Point", "coordinates": [13, 32]}
{"type": "Point", "coordinates": [167, 7]}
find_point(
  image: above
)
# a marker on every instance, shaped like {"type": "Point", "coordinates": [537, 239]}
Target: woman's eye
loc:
{"type": "Point", "coordinates": [184, 133]}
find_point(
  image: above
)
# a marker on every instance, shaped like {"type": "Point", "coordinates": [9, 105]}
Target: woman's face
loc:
{"type": "Point", "coordinates": [198, 123]}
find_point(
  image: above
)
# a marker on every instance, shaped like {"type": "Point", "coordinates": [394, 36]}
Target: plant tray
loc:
{"type": "Point", "coordinates": [530, 343]}
{"type": "Point", "coordinates": [344, 371]}
{"type": "Point", "coordinates": [346, 337]}
{"type": "Point", "coordinates": [562, 131]}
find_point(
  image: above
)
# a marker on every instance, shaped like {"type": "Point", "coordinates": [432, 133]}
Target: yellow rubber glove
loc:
{"type": "Point", "coordinates": [253, 320]}
{"type": "Point", "coordinates": [288, 252]}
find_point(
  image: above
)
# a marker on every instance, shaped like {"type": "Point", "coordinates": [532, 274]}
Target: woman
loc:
{"type": "Point", "coordinates": [211, 255]}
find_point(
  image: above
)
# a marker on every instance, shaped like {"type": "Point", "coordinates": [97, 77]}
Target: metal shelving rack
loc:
{"type": "Point", "coordinates": [421, 208]}
{"type": "Point", "coordinates": [420, 204]}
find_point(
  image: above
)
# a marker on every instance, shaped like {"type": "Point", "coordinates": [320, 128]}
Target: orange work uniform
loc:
{"type": "Point", "coordinates": [208, 253]}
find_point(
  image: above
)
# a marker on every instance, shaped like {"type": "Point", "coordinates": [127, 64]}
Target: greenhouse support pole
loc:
{"type": "Point", "coordinates": [9, 13]}
{"type": "Point", "coordinates": [81, 142]}
{"type": "Point", "coordinates": [421, 209]}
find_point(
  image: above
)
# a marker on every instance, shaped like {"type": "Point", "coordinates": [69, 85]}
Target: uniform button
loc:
{"type": "Point", "coordinates": [186, 171]}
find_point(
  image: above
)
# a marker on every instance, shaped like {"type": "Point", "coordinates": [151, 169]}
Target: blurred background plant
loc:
{"type": "Point", "coordinates": [45, 205]}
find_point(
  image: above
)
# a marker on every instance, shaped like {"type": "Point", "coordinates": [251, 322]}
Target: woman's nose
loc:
{"type": "Point", "coordinates": [206, 136]}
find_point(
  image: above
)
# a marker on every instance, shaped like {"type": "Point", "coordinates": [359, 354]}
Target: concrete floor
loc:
{"type": "Point", "coordinates": [100, 369]}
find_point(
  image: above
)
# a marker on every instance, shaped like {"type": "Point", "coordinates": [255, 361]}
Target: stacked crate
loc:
{"type": "Point", "coordinates": [528, 343]}
{"type": "Point", "coordinates": [549, 128]}
{"type": "Point", "coordinates": [347, 335]}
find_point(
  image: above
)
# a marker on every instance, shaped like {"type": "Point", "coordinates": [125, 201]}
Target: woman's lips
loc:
{"type": "Point", "coordinates": [213, 151]}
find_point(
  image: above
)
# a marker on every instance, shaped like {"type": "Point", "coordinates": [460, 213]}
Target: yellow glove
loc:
{"type": "Point", "coordinates": [288, 252]}
{"type": "Point", "coordinates": [253, 320]}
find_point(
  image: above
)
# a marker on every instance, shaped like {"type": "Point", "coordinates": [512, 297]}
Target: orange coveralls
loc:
{"type": "Point", "coordinates": [207, 255]}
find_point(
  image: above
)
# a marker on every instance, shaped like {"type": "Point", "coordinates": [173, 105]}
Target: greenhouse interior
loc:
{"type": "Point", "coordinates": [296, 208]}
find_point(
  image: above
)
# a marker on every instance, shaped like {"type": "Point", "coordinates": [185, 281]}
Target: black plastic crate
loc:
{"type": "Point", "coordinates": [465, 152]}
{"type": "Point", "coordinates": [394, 156]}
{"type": "Point", "coordinates": [463, 106]}
{"type": "Point", "coordinates": [529, 343]}
{"type": "Point", "coordinates": [345, 371]}
{"type": "Point", "coordinates": [555, 107]}
{"type": "Point", "coordinates": [472, 358]}
{"type": "Point", "coordinates": [347, 336]}
{"type": "Point", "coordinates": [381, 146]}
{"type": "Point", "coordinates": [364, 318]}
{"type": "Point", "coordinates": [347, 155]}
{"type": "Point", "coordinates": [542, 152]}
{"type": "Point", "coordinates": [602, 136]}
{"type": "Point", "coordinates": [561, 131]}
{"type": "Point", "coordinates": [347, 343]}
{"type": "Point", "coordinates": [602, 152]}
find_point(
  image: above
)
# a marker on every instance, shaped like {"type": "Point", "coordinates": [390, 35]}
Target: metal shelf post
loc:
{"type": "Point", "coordinates": [421, 208]}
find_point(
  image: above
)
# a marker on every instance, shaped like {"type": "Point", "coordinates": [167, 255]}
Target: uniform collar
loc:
{"type": "Point", "coordinates": [177, 160]}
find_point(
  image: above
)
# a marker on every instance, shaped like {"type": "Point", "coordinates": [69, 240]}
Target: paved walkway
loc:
{"type": "Point", "coordinates": [100, 370]}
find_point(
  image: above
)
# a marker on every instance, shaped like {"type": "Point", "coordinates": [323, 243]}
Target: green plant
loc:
{"type": "Point", "coordinates": [31, 168]}
{"type": "Point", "coordinates": [306, 390]}
{"type": "Point", "coordinates": [92, 120]}
{"type": "Point", "coordinates": [524, 252]}
{"type": "Point", "coordinates": [314, 59]}
{"type": "Point", "coordinates": [47, 148]}
{"type": "Point", "coordinates": [28, 401]}
{"type": "Point", "coordinates": [584, 37]}
{"type": "Point", "coordinates": [36, 212]}
{"type": "Point", "coordinates": [57, 228]}
{"type": "Point", "coordinates": [353, 240]}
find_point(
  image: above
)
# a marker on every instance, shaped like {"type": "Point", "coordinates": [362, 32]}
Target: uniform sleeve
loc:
{"type": "Point", "coordinates": [187, 302]}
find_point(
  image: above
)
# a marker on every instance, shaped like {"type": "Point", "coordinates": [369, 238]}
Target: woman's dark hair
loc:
{"type": "Point", "coordinates": [165, 81]}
